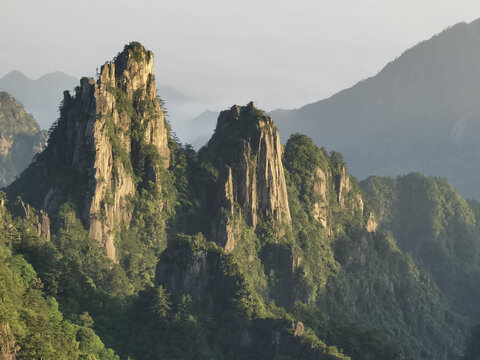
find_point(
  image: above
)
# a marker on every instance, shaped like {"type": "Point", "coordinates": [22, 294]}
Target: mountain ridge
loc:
{"type": "Point", "coordinates": [244, 249]}
{"type": "Point", "coordinates": [39, 96]}
{"type": "Point", "coordinates": [417, 114]}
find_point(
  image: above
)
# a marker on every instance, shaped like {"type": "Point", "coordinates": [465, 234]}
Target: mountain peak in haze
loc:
{"type": "Point", "coordinates": [419, 113]}
{"type": "Point", "coordinates": [40, 97]}
{"type": "Point", "coordinates": [111, 140]}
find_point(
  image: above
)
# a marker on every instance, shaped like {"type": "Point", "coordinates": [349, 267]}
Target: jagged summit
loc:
{"type": "Point", "coordinates": [109, 143]}
{"type": "Point", "coordinates": [132, 70]}
{"type": "Point", "coordinates": [247, 152]}
{"type": "Point", "coordinates": [238, 126]}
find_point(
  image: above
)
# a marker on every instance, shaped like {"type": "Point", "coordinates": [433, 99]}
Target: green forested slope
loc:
{"type": "Point", "coordinates": [31, 324]}
{"type": "Point", "coordinates": [243, 250]}
{"type": "Point", "coordinates": [438, 227]}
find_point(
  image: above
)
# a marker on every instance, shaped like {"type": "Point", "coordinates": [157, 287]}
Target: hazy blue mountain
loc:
{"type": "Point", "coordinates": [200, 128]}
{"type": "Point", "coordinates": [419, 113]}
{"type": "Point", "coordinates": [172, 95]}
{"type": "Point", "coordinates": [40, 97]}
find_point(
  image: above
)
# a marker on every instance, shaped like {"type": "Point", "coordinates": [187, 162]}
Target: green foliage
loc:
{"type": "Point", "coordinates": [363, 285]}
{"type": "Point", "coordinates": [229, 136]}
{"type": "Point", "coordinates": [197, 243]}
{"type": "Point", "coordinates": [32, 321]}
{"type": "Point", "coordinates": [188, 174]}
{"type": "Point", "coordinates": [302, 159]}
{"type": "Point", "coordinates": [432, 221]}
{"type": "Point", "coordinates": [163, 326]}
{"type": "Point", "coordinates": [120, 155]}
{"type": "Point", "coordinates": [246, 256]}
{"type": "Point", "coordinates": [174, 294]}
{"type": "Point", "coordinates": [136, 49]}
{"type": "Point", "coordinates": [69, 183]}
{"type": "Point", "coordinates": [161, 304]}
{"type": "Point", "coordinates": [78, 250]}
{"type": "Point", "coordinates": [14, 119]}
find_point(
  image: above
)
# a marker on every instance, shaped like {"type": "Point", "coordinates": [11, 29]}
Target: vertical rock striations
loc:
{"type": "Point", "coordinates": [246, 151]}
{"type": "Point", "coordinates": [105, 143]}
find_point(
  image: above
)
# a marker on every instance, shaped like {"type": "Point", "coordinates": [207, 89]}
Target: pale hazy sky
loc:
{"type": "Point", "coordinates": [279, 53]}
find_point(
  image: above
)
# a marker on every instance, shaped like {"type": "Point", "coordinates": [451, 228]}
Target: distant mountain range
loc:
{"type": "Point", "coordinates": [39, 97]}
{"type": "Point", "coordinates": [420, 113]}
{"type": "Point", "coordinates": [198, 130]}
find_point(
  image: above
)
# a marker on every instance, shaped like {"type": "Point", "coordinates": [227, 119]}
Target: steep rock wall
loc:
{"type": "Point", "coordinates": [95, 156]}
{"type": "Point", "coordinates": [247, 152]}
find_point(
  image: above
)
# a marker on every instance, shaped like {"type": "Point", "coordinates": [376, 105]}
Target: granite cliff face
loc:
{"type": "Point", "coordinates": [100, 143]}
{"type": "Point", "coordinates": [247, 153]}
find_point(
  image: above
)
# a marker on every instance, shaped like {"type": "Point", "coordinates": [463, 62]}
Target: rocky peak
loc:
{"type": "Point", "coordinates": [132, 70]}
{"type": "Point", "coordinates": [246, 150]}
{"type": "Point", "coordinates": [128, 82]}
{"type": "Point", "coordinates": [107, 138]}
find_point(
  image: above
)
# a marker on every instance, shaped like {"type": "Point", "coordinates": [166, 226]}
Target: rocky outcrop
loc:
{"type": "Point", "coordinates": [8, 348]}
{"type": "Point", "coordinates": [106, 206]}
{"type": "Point", "coordinates": [41, 217]}
{"type": "Point", "coordinates": [298, 328]}
{"type": "Point", "coordinates": [319, 211]}
{"type": "Point", "coordinates": [226, 227]}
{"type": "Point", "coordinates": [43, 225]}
{"type": "Point", "coordinates": [348, 198]}
{"type": "Point", "coordinates": [5, 146]}
{"type": "Point", "coordinates": [372, 224]}
{"type": "Point", "coordinates": [343, 186]}
{"type": "Point", "coordinates": [97, 153]}
{"type": "Point", "coordinates": [108, 129]}
{"type": "Point", "coordinates": [246, 150]}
